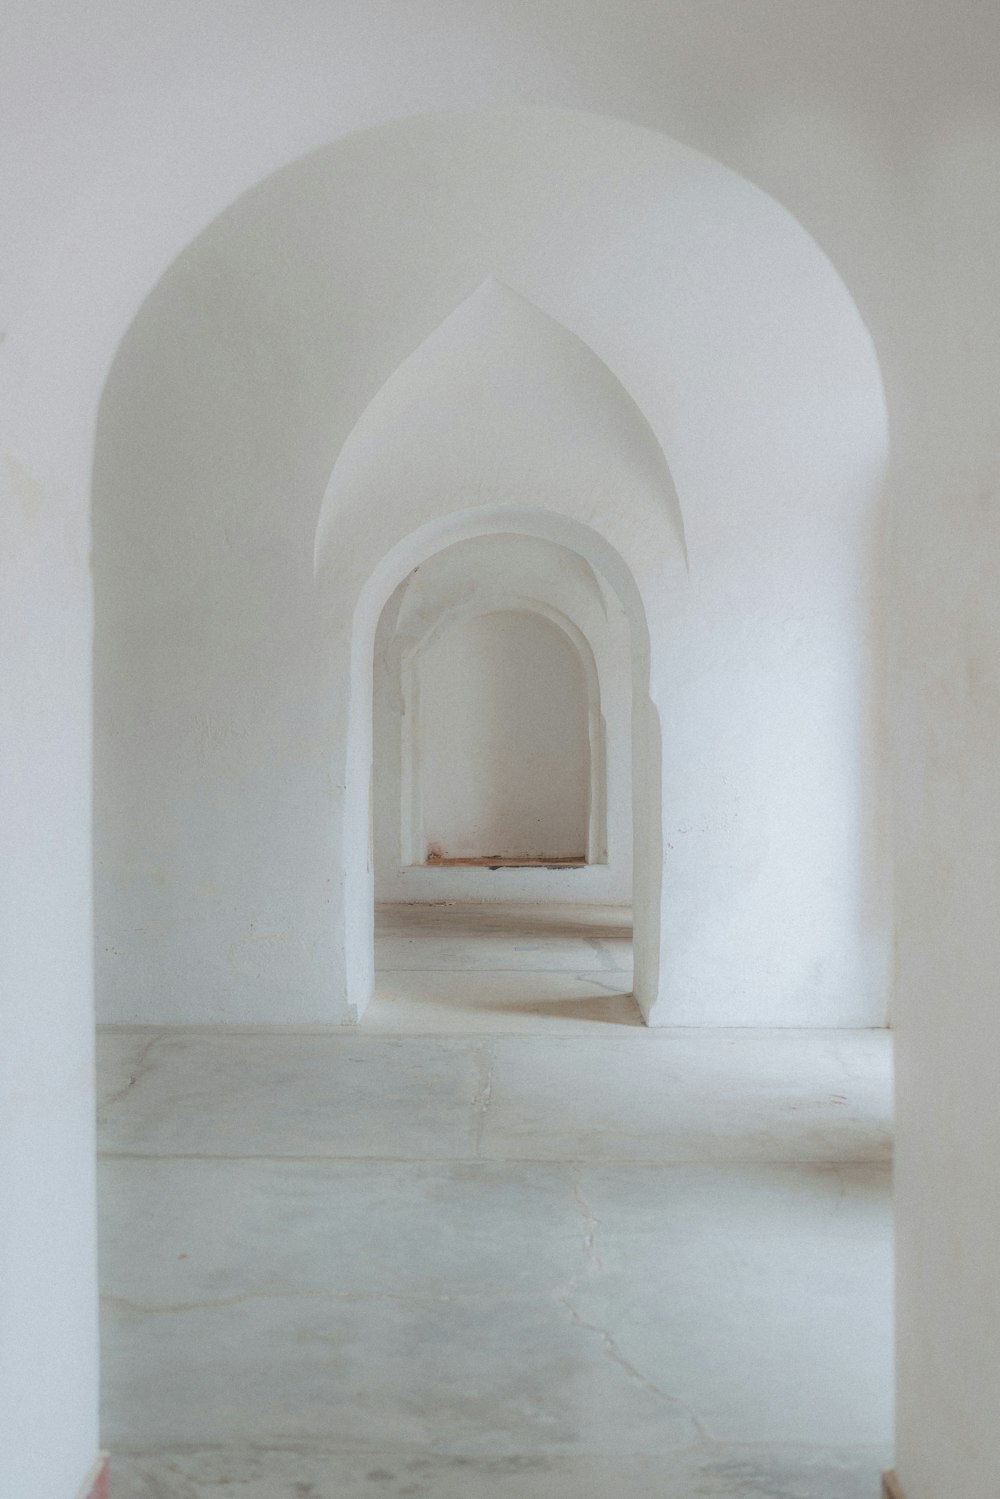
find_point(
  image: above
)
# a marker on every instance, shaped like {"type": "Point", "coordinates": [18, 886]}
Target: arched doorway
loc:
{"type": "Point", "coordinates": [502, 771]}
{"type": "Point", "coordinates": [543, 670]}
{"type": "Point", "coordinates": [218, 816]}
{"type": "Point", "coordinates": [636, 867]}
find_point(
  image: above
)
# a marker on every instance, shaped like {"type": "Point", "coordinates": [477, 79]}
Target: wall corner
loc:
{"type": "Point", "coordinates": [97, 1483]}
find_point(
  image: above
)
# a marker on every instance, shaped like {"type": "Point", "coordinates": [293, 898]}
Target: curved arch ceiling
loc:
{"type": "Point", "coordinates": [721, 318]}
{"type": "Point", "coordinates": [502, 404]}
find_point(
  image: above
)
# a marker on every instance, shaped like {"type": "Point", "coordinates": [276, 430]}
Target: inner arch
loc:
{"type": "Point", "coordinates": [644, 747]}
{"type": "Point", "coordinates": [503, 744]}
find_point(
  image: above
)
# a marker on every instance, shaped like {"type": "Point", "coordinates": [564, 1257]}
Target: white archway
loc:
{"type": "Point", "coordinates": [356, 936]}
{"type": "Point", "coordinates": [694, 317]}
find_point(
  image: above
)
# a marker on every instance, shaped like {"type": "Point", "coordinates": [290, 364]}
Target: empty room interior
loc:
{"type": "Point", "coordinates": [499, 984]}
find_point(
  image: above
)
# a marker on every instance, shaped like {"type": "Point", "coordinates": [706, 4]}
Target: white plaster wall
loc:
{"type": "Point", "coordinates": [876, 124]}
{"type": "Point", "coordinates": [48, 1323]}
{"type": "Point", "coordinates": [947, 741]}
{"type": "Point", "coordinates": [503, 740]}
{"type": "Point", "coordinates": [470, 579]}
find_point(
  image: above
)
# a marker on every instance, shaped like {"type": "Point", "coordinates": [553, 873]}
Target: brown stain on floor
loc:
{"type": "Point", "coordinates": [437, 859]}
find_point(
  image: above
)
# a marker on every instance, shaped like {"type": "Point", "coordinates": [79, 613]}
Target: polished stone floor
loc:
{"type": "Point", "coordinates": [499, 1242]}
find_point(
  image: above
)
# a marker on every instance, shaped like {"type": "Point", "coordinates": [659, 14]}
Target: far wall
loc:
{"type": "Point", "coordinates": [503, 744]}
{"type": "Point", "coordinates": [502, 725]}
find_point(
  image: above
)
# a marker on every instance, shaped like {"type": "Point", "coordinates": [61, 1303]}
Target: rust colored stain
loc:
{"type": "Point", "coordinates": [437, 857]}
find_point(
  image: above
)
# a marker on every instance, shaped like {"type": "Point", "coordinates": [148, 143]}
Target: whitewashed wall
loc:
{"type": "Point", "coordinates": [877, 126]}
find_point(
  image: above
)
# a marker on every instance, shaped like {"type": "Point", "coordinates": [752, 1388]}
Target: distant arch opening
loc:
{"type": "Point", "coordinates": [502, 690]}
{"type": "Point", "coordinates": [500, 755]}
{"type": "Point", "coordinates": [632, 750]}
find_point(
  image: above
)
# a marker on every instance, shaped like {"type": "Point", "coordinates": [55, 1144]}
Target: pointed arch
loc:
{"type": "Point", "coordinates": [500, 401]}
{"type": "Point", "coordinates": [664, 306]}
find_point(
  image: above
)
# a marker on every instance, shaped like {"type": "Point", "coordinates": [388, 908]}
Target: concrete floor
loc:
{"type": "Point", "coordinates": [501, 1242]}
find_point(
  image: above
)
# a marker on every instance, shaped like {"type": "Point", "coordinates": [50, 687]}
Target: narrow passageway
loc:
{"type": "Point", "coordinates": [513, 966]}
{"type": "Point", "coordinates": [499, 1242]}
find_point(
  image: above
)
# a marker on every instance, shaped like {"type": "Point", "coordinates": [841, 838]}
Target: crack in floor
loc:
{"type": "Point", "coordinates": [590, 1224]}
{"type": "Point", "coordinates": [615, 1354]}
{"type": "Point", "coordinates": [481, 1104]}
{"type": "Point", "coordinates": [615, 989]}
{"type": "Point", "coordinates": [592, 1261]}
{"type": "Point", "coordinates": [138, 1070]}
{"type": "Point", "coordinates": [126, 1307]}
